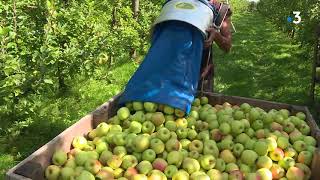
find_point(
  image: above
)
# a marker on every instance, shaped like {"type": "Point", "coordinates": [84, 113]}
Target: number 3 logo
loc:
{"type": "Point", "coordinates": [297, 17]}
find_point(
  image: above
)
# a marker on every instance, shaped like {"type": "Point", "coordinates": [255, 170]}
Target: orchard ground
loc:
{"type": "Point", "coordinates": [263, 64]}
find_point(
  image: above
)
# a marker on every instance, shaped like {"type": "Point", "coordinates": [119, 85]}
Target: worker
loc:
{"type": "Point", "coordinates": [182, 34]}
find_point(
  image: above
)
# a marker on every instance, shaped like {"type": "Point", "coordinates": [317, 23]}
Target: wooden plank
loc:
{"type": "Point", "coordinates": [315, 166]}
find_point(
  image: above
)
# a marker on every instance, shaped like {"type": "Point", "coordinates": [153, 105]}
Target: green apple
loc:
{"type": "Point", "coordinates": [192, 134]}
{"type": "Point", "coordinates": [114, 162]}
{"type": "Point", "coordinates": [220, 164]}
{"type": "Point", "coordinates": [59, 158]}
{"type": "Point", "coordinates": [191, 122]}
{"type": "Point", "coordinates": [182, 133]}
{"type": "Point", "coordinates": [272, 144]}
{"type": "Point", "coordinates": [274, 126]}
{"type": "Point", "coordinates": [249, 157]}
{"type": "Point", "coordinates": [119, 138]}
{"type": "Point", "coordinates": [231, 167]}
{"type": "Point", "coordinates": [85, 175]}
{"type": "Point", "coordinates": [105, 156]}
{"type": "Point", "coordinates": [295, 135]}
{"type": "Point", "coordinates": [157, 145]}
{"type": "Point", "coordinates": [141, 143]}
{"type": "Point", "coordinates": [173, 145]}
{"type": "Point", "coordinates": [190, 165]}
{"type": "Point", "coordinates": [245, 107]}
{"type": "Point", "coordinates": [254, 114]}
{"type": "Point", "coordinates": [159, 164]}
{"type": "Point", "coordinates": [101, 130]}
{"type": "Point", "coordinates": [148, 127]}
{"type": "Point", "coordinates": [170, 171]}
{"type": "Point", "coordinates": [137, 106]}
{"type": "Point", "coordinates": [227, 156]}
{"type": "Point", "coordinates": [301, 115]}
{"type": "Point", "coordinates": [305, 157]}
{"type": "Point", "coordinates": [118, 172]}
{"type": "Point", "coordinates": [104, 174]}
{"type": "Point", "coordinates": [175, 158]}
{"type": "Point", "coordinates": [309, 140]}
{"type": "Point", "coordinates": [163, 134]}
{"type": "Point", "coordinates": [295, 173]}
{"type": "Point", "coordinates": [194, 154]}
{"type": "Point", "coordinates": [171, 125]}
{"type": "Point", "coordinates": [207, 162]}
{"type": "Point", "coordinates": [242, 138]}
{"type": "Point", "coordinates": [182, 122]}
{"type": "Point", "coordinates": [286, 162]}
{"type": "Point", "coordinates": [244, 168]}
{"type": "Point", "coordinates": [288, 126]}
{"type": "Point", "coordinates": [261, 148]}
{"type": "Point", "coordinates": [214, 174]}
{"type": "Point", "coordinates": [257, 124]}
{"type": "Point", "coordinates": [157, 118]}
{"type": "Point", "coordinates": [52, 172]}
{"type": "Point", "coordinates": [237, 127]}
{"type": "Point", "coordinates": [264, 162]}
{"type": "Point", "coordinates": [81, 157]}
{"type": "Point", "coordinates": [79, 142]}
{"type": "Point", "coordinates": [138, 116]}
{"type": "Point", "coordinates": [237, 149]}
{"type": "Point", "coordinates": [179, 113]}
{"type": "Point", "coordinates": [129, 161]}
{"type": "Point", "coordinates": [299, 146]}
{"type": "Point", "coordinates": [123, 113]}
{"type": "Point", "coordinates": [204, 100]}
{"type": "Point", "coordinates": [196, 145]}
{"type": "Point", "coordinates": [304, 129]}
{"type": "Point", "coordinates": [71, 163]}
{"type": "Point", "coordinates": [226, 144]}
{"type": "Point", "coordinates": [283, 142]}
{"type": "Point", "coordinates": [210, 147]}
{"type": "Point", "coordinates": [290, 152]}
{"type": "Point", "coordinates": [119, 151]}
{"type": "Point", "coordinates": [225, 128]}
{"type": "Point", "coordinates": [137, 155]}
{"type": "Point", "coordinates": [100, 147]}
{"type": "Point", "coordinates": [238, 115]}
{"type": "Point", "coordinates": [144, 167]}
{"type": "Point", "coordinates": [168, 110]}
{"type": "Point", "coordinates": [149, 155]}
{"type": "Point", "coordinates": [180, 175]}
{"type": "Point", "coordinates": [135, 127]}
{"type": "Point", "coordinates": [250, 144]}
{"type": "Point", "coordinates": [150, 106]}
{"type": "Point", "coordinates": [203, 135]}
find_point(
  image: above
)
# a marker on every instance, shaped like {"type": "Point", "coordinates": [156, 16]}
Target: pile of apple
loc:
{"type": "Point", "coordinates": [147, 141]}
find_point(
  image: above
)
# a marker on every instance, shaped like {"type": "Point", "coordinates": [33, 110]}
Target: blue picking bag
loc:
{"type": "Point", "coordinates": [170, 72]}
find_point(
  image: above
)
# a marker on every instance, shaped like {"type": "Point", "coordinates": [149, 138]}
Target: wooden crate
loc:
{"type": "Point", "coordinates": [33, 166]}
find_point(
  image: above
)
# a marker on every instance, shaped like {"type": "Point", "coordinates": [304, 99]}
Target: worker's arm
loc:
{"type": "Point", "coordinates": [222, 38]}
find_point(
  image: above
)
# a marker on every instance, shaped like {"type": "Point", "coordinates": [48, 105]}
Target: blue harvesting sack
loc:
{"type": "Point", "coordinates": [170, 71]}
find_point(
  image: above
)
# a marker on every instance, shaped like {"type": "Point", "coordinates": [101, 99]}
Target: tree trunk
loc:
{"type": "Point", "coordinates": [135, 10]}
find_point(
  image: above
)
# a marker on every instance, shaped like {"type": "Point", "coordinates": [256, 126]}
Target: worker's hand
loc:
{"type": "Point", "coordinates": [212, 33]}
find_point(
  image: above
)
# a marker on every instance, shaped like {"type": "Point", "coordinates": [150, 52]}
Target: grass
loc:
{"type": "Point", "coordinates": [263, 64]}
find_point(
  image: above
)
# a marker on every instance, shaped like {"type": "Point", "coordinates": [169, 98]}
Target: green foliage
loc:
{"type": "Point", "coordinates": [279, 10]}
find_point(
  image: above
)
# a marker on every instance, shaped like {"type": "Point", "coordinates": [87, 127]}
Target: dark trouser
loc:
{"type": "Point", "coordinates": [208, 80]}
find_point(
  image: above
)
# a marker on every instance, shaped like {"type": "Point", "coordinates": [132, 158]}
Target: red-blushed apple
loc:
{"type": "Point", "coordinates": [295, 173]}
{"type": "Point", "coordinates": [216, 134]}
{"type": "Point", "coordinates": [131, 171]}
{"type": "Point", "coordinates": [190, 165]}
{"type": "Point", "coordinates": [103, 174]}
{"type": "Point", "coordinates": [306, 170]}
{"type": "Point", "coordinates": [260, 133]}
{"type": "Point", "coordinates": [305, 157]}
{"type": "Point", "coordinates": [227, 156]}
{"type": "Point", "coordinates": [277, 154]}
{"type": "Point", "coordinates": [274, 126]}
{"type": "Point", "coordinates": [277, 171]}
{"type": "Point", "coordinates": [236, 175]}
{"type": "Point", "coordinates": [93, 166]}
{"type": "Point", "coordinates": [52, 172]}
{"type": "Point", "coordinates": [160, 164]}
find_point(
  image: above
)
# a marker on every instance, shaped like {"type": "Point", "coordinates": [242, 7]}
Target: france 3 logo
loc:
{"type": "Point", "coordinates": [297, 17]}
